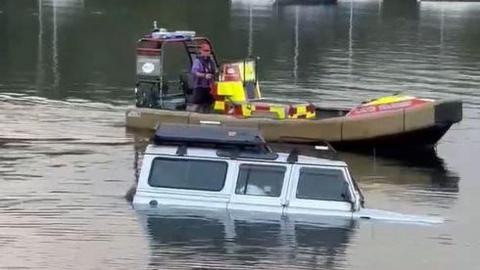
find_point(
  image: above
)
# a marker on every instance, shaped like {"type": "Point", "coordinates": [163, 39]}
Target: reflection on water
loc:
{"type": "Point", "coordinates": [224, 240]}
{"type": "Point", "coordinates": [424, 168]}
{"type": "Point", "coordinates": [340, 54]}
{"type": "Point", "coordinates": [416, 166]}
{"type": "Point", "coordinates": [422, 178]}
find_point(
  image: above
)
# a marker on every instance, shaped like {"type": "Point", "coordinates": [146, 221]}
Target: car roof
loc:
{"type": "Point", "coordinates": [211, 153]}
{"type": "Point", "coordinates": [207, 135]}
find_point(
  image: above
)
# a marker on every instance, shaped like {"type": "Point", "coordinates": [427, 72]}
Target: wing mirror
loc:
{"type": "Point", "coordinates": [355, 204]}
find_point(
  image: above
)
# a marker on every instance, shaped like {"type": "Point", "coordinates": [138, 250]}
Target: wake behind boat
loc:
{"type": "Point", "coordinates": [397, 121]}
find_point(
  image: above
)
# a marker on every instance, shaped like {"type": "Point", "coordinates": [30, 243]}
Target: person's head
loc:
{"type": "Point", "coordinates": [205, 50]}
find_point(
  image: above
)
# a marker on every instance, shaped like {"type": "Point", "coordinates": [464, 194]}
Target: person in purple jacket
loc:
{"type": "Point", "coordinates": [203, 71]}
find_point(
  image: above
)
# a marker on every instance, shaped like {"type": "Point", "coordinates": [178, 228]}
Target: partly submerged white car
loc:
{"type": "Point", "coordinates": [232, 168]}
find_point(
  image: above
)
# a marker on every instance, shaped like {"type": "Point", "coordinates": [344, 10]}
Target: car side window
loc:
{"type": "Point", "coordinates": [322, 184]}
{"type": "Point", "coordinates": [188, 174]}
{"type": "Point", "coordinates": [260, 180]}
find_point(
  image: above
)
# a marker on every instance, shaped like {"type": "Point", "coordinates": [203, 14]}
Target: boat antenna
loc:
{"type": "Point", "coordinates": [155, 27]}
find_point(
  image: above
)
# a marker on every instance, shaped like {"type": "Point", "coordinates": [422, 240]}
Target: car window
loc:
{"type": "Point", "coordinates": [188, 174]}
{"type": "Point", "coordinates": [322, 184]}
{"type": "Point", "coordinates": [260, 180]}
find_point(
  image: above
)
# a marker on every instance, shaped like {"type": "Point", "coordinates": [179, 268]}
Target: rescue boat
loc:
{"type": "Point", "coordinates": [398, 121]}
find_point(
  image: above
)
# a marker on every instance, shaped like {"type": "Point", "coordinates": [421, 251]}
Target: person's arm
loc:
{"type": "Point", "coordinates": [197, 69]}
{"type": "Point", "coordinates": [203, 75]}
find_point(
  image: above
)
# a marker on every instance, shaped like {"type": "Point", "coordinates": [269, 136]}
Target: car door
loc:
{"type": "Point", "coordinates": [319, 190]}
{"type": "Point", "coordinates": [260, 187]}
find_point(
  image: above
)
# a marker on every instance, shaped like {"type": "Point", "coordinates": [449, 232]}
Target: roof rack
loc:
{"type": "Point", "coordinates": [207, 135]}
{"type": "Point", "coordinates": [324, 150]}
{"type": "Point", "coordinates": [229, 142]}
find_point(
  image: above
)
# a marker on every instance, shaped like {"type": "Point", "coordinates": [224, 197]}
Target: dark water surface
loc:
{"type": "Point", "coordinates": [66, 160]}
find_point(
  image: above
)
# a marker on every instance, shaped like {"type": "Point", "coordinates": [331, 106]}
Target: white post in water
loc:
{"type": "Point", "coordinates": [250, 30]}
{"type": "Point", "coordinates": [442, 25]}
{"type": "Point", "coordinates": [350, 38]}
{"type": "Point", "coordinates": [56, 75]}
{"type": "Point", "coordinates": [40, 70]}
{"type": "Point", "coordinates": [296, 51]}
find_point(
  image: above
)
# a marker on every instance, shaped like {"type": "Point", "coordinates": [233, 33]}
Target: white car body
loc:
{"type": "Point", "coordinates": [286, 203]}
